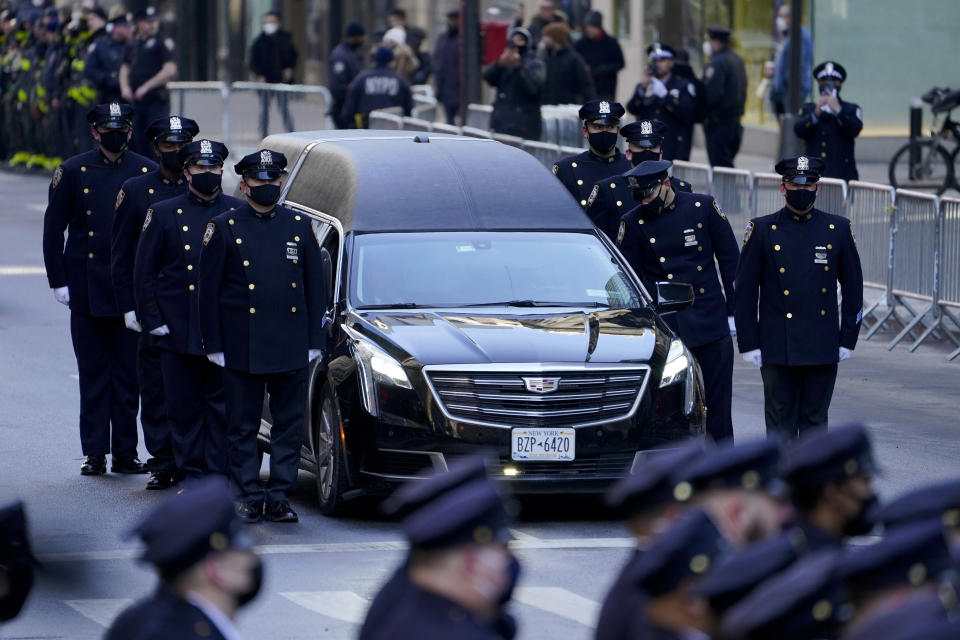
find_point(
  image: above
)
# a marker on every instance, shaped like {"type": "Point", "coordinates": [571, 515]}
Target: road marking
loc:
{"type": "Point", "coordinates": [21, 270]}
{"type": "Point", "coordinates": [560, 602]}
{"type": "Point", "coordinates": [100, 610]}
{"type": "Point", "coordinates": [341, 605]}
{"type": "Point", "coordinates": [520, 535]}
{"type": "Point", "coordinates": [38, 207]}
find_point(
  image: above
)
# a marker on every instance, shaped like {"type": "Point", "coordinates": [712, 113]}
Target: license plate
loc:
{"type": "Point", "coordinates": [543, 444]}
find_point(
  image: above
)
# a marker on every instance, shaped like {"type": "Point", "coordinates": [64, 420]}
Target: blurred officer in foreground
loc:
{"type": "Point", "coordinates": [345, 64]}
{"type": "Point", "coordinates": [148, 65]}
{"type": "Point", "coordinates": [136, 196]}
{"type": "Point", "coordinates": [518, 77]}
{"type": "Point", "coordinates": [82, 199]}
{"type": "Point", "coordinates": [666, 96]}
{"type": "Point", "coordinates": [830, 125]}
{"type": "Point", "coordinates": [940, 500]}
{"type": "Point", "coordinates": [725, 81]}
{"type": "Point", "coordinates": [677, 236]}
{"type": "Point", "coordinates": [603, 55]}
{"type": "Point", "coordinates": [610, 199]}
{"type": "Point", "coordinates": [16, 561]}
{"type": "Point", "coordinates": [206, 565]}
{"type": "Point", "coordinates": [165, 282]}
{"type": "Point", "coordinates": [829, 474]}
{"type": "Point", "coordinates": [601, 128]}
{"type": "Point", "coordinates": [105, 57]}
{"type": "Point", "coordinates": [379, 88]}
{"type": "Point", "coordinates": [789, 268]}
{"type": "Point", "coordinates": [461, 573]}
{"type": "Point", "coordinates": [273, 59]}
{"type": "Point", "coordinates": [262, 300]}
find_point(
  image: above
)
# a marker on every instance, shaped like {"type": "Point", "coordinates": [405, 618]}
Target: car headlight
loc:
{"type": "Point", "coordinates": [377, 368]}
{"type": "Point", "coordinates": [676, 365]}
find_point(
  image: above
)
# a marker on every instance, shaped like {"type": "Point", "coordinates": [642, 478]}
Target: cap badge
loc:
{"type": "Point", "coordinates": [803, 164]}
{"type": "Point", "coordinates": [646, 128]}
{"type": "Point", "coordinates": [266, 157]}
{"type": "Point", "coordinates": [206, 147]}
{"type": "Point", "coordinates": [829, 68]}
{"type": "Point", "coordinates": [114, 110]}
{"type": "Point", "coordinates": [175, 124]}
{"type": "Point", "coordinates": [604, 107]}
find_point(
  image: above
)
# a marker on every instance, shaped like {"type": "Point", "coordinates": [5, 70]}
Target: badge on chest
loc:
{"type": "Point", "coordinates": [293, 251]}
{"type": "Point", "coordinates": [690, 238]}
{"type": "Point", "coordinates": [820, 255]}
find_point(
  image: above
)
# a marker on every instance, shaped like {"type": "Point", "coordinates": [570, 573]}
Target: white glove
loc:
{"type": "Point", "coordinates": [130, 319]}
{"type": "Point", "coordinates": [845, 354]}
{"type": "Point", "coordinates": [216, 358]}
{"type": "Point", "coordinates": [160, 331]}
{"type": "Point", "coordinates": [733, 325]}
{"type": "Point", "coordinates": [62, 294]}
{"type": "Point", "coordinates": [313, 354]}
{"type": "Point", "coordinates": [753, 357]}
{"type": "Point", "coordinates": [657, 88]}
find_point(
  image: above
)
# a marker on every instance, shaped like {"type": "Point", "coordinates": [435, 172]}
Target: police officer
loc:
{"type": "Point", "coordinates": [105, 57]}
{"type": "Point", "coordinates": [378, 88]}
{"type": "Point", "coordinates": [601, 128]}
{"type": "Point", "coordinates": [148, 65]}
{"type": "Point", "coordinates": [676, 236]}
{"type": "Point", "coordinates": [136, 196]}
{"type": "Point", "coordinates": [666, 96]}
{"type": "Point", "coordinates": [610, 199]}
{"type": "Point", "coordinates": [831, 125]}
{"type": "Point", "coordinates": [165, 282]}
{"type": "Point", "coordinates": [82, 197]}
{"type": "Point", "coordinates": [789, 268]}
{"type": "Point", "coordinates": [262, 301]}
{"type": "Point", "coordinates": [206, 565]}
{"type": "Point", "coordinates": [940, 500]}
{"type": "Point", "coordinates": [725, 82]}
{"type": "Point", "coordinates": [345, 64]}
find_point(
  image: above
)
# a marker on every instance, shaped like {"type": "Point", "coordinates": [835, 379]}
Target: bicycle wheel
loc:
{"type": "Point", "coordinates": [920, 165]}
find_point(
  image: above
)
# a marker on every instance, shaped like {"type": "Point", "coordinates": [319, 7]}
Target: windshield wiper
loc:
{"type": "Point", "coordinates": [395, 305]}
{"type": "Point", "coordinates": [535, 303]}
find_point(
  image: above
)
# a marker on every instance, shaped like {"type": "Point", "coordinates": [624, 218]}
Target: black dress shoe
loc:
{"type": "Point", "coordinates": [161, 480]}
{"type": "Point", "coordinates": [281, 512]}
{"type": "Point", "coordinates": [94, 466]}
{"type": "Point", "coordinates": [128, 465]}
{"type": "Point", "coordinates": [250, 512]}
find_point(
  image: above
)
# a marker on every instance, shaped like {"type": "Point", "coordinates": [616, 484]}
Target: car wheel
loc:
{"type": "Point", "coordinates": [331, 475]}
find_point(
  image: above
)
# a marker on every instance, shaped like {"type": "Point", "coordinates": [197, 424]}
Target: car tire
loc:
{"type": "Point", "coordinates": [331, 476]}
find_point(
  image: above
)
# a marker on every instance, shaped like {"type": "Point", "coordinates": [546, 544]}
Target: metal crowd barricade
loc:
{"type": "Point", "coordinates": [424, 108]}
{"type": "Point", "coordinates": [916, 263]}
{"type": "Point", "coordinates": [569, 151]}
{"type": "Point", "coordinates": [870, 208]}
{"type": "Point", "coordinates": [381, 119]}
{"type": "Point", "coordinates": [698, 176]}
{"type": "Point", "coordinates": [474, 132]}
{"type": "Point", "coordinates": [478, 116]}
{"type": "Point", "coordinates": [424, 91]}
{"type": "Point", "coordinates": [546, 153]}
{"type": "Point", "coordinates": [949, 299]}
{"type": "Point", "coordinates": [832, 197]}
{"type": "Point", "coordinates": [766, 194]}
{"type": "Point", "coordinates": [513, 141]}
{"type": "Point", "coordinates": [732, 191]}
{"type": "Point", "coordinates": [415, 124]}
{"type": "Point", "coordinates": [308, 105]}
{"type": "Point", "coordinates": [440, 127]}
{"type": "Point", "coordinates": [205, 102]}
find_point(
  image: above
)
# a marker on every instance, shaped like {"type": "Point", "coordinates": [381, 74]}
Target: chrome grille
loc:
{"type": "Point", "coordinates": [501, 398]}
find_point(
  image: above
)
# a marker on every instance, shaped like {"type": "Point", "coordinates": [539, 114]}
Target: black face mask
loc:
{"type": "Point", "coordinates": [207, 183]}
{"type": "Point", "coordinates": [256, 582]}
{"type": "Point", "coordinates": [514, 570]}
{"type": "Point", "coordinates": [636, 157]}
{"type": "Point", "coordinates": [801, 199]}
{"type": "Point", "coordinates": [603, 141]}
{"type": "Point", "coordinates": [861, 523]}
{"type": "Point", "coordinates": [265, 195]}
{"type": "Point", "coordinates": [170, 162]}
{"type": "Point", "coordinates": [114, 141]}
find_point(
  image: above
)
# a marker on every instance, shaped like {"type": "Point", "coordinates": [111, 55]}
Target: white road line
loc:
{"type": "Point", "coordinates": [100, 610]}
{"type": "Point", "coordinates": [560, 602]}
{"type": "Point", "coordinates": [520, 535]}
{"type": "Point", "coordinates": [21, 270]}
{"type": "Point", "coordinates": [340, 605]}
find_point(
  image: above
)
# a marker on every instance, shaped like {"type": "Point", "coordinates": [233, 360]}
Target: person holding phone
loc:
{"type": "Point", "coordinates": [831, 125]}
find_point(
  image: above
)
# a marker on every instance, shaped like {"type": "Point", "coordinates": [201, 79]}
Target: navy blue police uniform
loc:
{"type": "Point", "coordinates": [166, 286]}
{"type": "Point", "coordinates": [136, 196]}
{"type": "Point", "coordinates": [580, 172]}
{"type": "Point", "coordinates": [102, 64]}
{"type": "Point", "coordinates": [830, 136]}
{"type": "Point", "coordinates": [679, 243]}
{"type": "Point", "coordinates": [82, 197]}
{"type": "Point", "coordinates": [145, 57]}
{"type": "Point", "coordinates": [262, 301]}
{"type": "Point", "coordinates": [378, 88]}
{"type": "Point", "coordinates": [676, 108]}
{"type": "Point", "coordinates": [940, 500]}
{"type": "Point", "coordinates": [344, 64]}
{"type": "Point", "coordinates": [610, 199]}
{"type": "Point", "coordinates": [786, 304]}
{"type": "Point", "coordinates": [725, 83]}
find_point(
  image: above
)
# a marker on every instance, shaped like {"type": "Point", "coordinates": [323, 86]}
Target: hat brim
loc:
{"type": "Point", "coordinates": [174, 137]}
{"type": "Point", "coordinates": [112, 124]}
{"type": "Point", "coordinates": [203, 162]}
{"type": "Point", "coordinates": [802, 179]}
{"type": "Point", "coordinates": [263, 174]}
{"type": "Point", "coordinates": [646, 143]}
{"type": "Point", "coordinates": [604, 119]}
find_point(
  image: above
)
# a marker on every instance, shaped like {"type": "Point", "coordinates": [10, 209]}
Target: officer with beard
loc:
{"type": "Point", "coordinates": [136, 196]}
{"type": "Point", "coordinates": [206, 565]}
{"type": "Point", "coordinates": [601, 127]}
{"type": "Point", "coordinates": [666, 96]}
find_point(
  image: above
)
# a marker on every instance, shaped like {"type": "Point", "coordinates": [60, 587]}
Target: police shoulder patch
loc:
{"type": "Point", "coordinates": [621, 232]}
{"type": "Point", "coordinates": [120, 196]}
{"type": "Point", "coordinates": [748, 232]}
{"type": "Point", "coordinates": [147, 220]}
{"type": "Point", "coordinates": [556, 168]}
{"type": "Point", "coordinates": [719, 211]}
{"type": "Point", "coordinates": [57, 177]}
{"type": "Point", "coordinates": [208, 233]}
{"type": "Point", "coordinates": [593, 195]}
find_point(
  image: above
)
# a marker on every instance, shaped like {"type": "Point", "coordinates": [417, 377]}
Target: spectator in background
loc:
{"type": "Point", "coordinates": [415, 39]}
{"type": "Point", "coordinates": [780, 90]}
{"type": "Point", "coordinates": [397, 19]}
{"type": "Point", "coordinates": [272, 59]}
{"type": "Point", "coordinates": [379, 88]}
{"type": "Point", "coordinates": [345, 63]}
{"type": "Point", "coordinates": [148, 65]}
{"type": "Point", "coordinates": [567, 80]}
{"type": "Point", "coordinates": [405, 61]}
{"type": "Point", "coordinates": [102, 64]}
{"type": "Point", "coordinates": [725, 81]}
{"type": "Point", "coordinates": [547, 14]}
{"type": "Point", "coordinates": [603, 56]}
{"type": "Point", "coordinates": [446, 62]}
{"type": "Point", "coordinates": [518, 76]}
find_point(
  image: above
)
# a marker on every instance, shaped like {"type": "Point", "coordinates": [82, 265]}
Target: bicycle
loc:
{"type": "Point", "coordinates": [926, 162]}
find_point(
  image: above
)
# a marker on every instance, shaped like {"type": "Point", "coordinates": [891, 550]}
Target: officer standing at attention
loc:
{"type": "Point", "coordinates": [345, 64]}
{"type": "Point", "coordinates": [262, 302]}
{"type": "Point", "coordinates": [136, 196]}
{"type": "Point", "coordinates": [610, 199]}
{"type": "Point", "coordinates": [667, 97]}
{"type": "Point", "coordinates": [206, 565]}
{"type": "Point", "coordinates": [725, 81]}
{"type": "Point", "coordinates": [82, 197]}
{"type": "Point", "coordinates": [148, 65]}
{"type": "Point", "coordinates": [165, 283]}
{"type": "Point", "coordinates": [601, 127]}
{"type": "Point", "coordinates": [830, 126]}
{"type": "Point", "coordinates": [675, 236]}
{"type": "Point", "coordinates": [791, 263]}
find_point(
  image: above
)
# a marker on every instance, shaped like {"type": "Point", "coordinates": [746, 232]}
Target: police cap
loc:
{"type": "Point", "coordinates": [115, 115]}
{"type": "Point", "coordinates": [150, 13]}
{"type": "Point", "coordinates": [651, 486]}
{"type": "Point", "coordinates": [601, 112]}
{"type": "Point", "coordinates": [902, 621]}
{"type": "Point", "coordinates": [801, 169]}
{"type": "Point", "coordinates": [473, 513]}
{"type": "Point", "coordinates": [354, 29]}
{"type": "Point", "coordinates": [823, 456]}
{"type": "Point", "coordinates": [172, 129]}
{"type": "Point", "coordinates": [657, 51]}
{"type": "Point", "coordinates": [644, 133]}
{"type": "Point", "coordinates": [418, 493]}
{"type": "Point", "coordinates": [750, 466]}
{"type": "Point", "coordinates": [383, 55]}
{"type": "Point", "coordinates": [265, 164]}
{"type": "Point", "coordinates": [647, 175]}
{"type": "Point", "coordinates": [204, 153]}
{"type": "Point", "coordinates": [939, 500]}
{"type": "Point", "coordinates": [830, 71]}
{"type": "Point", "coordinates": [718, 32]}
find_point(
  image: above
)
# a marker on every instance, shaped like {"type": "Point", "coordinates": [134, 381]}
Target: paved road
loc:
{"type": "Point", "coordinates": [321, 571]}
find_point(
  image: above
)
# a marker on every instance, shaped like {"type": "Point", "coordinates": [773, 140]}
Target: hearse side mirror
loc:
{"type": "Point", "coordinates": [673, 296]}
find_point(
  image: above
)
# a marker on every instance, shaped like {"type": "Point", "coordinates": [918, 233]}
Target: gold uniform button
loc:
{"type": "Point", "coordinates": [829, 246]}
{"type": "Point", "coordinates": [613, 185]}
{"type": "Point", "coordinates": [150, 191]}
{"type": "Point", "coordinates": [699, 267]}
{"type": "Point", "coordinates": [252, 310]}
{"type": "Point", "coordinates": [83, 169]}
{"type": "Point", "coordinates": [696, 204]}
{"type": "Point", "coordinates": [143, 169]}
{"type": "Point", "coordinates": [826, 268]}
{"type": "Point", "coordinates": [669, 276]}
{"type": "Point", "coordinates": [583, 202]}
{"type": "Point", "coordinates": [239, 240]}
{"type": "Point", "coordinates": [619, 203]}
{"type": "Point", "coordinates": [89, 213]}
{"type": "Point", "coordinates": [652, 240]}
{"type": "Point", "coordinates": [663, 259]}
{"type": "Point", "coordinates": [293, 309]}
{"type": "Point", "coordinates": [89, 255]}
{"type": "Point", "coordinates": [295, 261]}
{"type": "Point", "coordinates": [699, 225]}
{"type": "Point", "coordinates": [293, 284]}
{"type": "Point", "coordinates": [186, 247]}
{"type": "Point", "coordinates": [185, 228]}
{"type": "Point", "coordinates": [90, 233]}
{"type": "Point", "coordinates": [86, 190]}
{"type": "Point", "coordinates": [832, 227]}
{"type": "Point", "coordinates": [774, 227]}
{"type": "Point", "coordinates": [297, 218]}
{"type": "Point", "coordinates": [296, 238]}
{"type": "Point", "coordinates": [579, 182]}
{"type": "Point", "coordinates": [824, 290]}
{"type": "Point", "coordinates": [776, 247]}
{"type": "Point", "coordinates": [789, 315]}
{"type": "Point", "coordinates": [573, 164]}
{"type": "Point", "coordinates": [640, 220]}
{"type": "Point", "coordinates": [179, 210]}
{"type": "Point", "coordinates": [189, 267]}
{"type": "Point", "coordinates": [246, 263]}
{"type": "Point", "coordinates": [702, 290]}
{"type": "Point", "coordinates": [786, 292]}
{"type": "Point", "coordinates": [782, 270]}
{"type": "Point", "coordinates": [251, 287]}
{"type": "Point", "coordinates": [823, 154]}
{"type": "Point", "coordinates": [822, 312]}
{"type": "Point", "coordinates": [699, 248]}
{"type": "Point", "coordinates": [191, 287]}
{"type": "Point", "coordinates": [230, 220]}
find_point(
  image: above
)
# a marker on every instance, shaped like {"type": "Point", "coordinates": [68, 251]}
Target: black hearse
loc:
{"type": "Point", "coordinates": [474, 306]}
